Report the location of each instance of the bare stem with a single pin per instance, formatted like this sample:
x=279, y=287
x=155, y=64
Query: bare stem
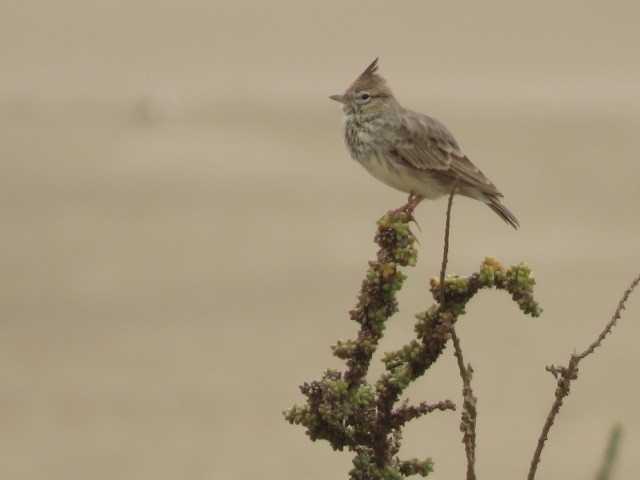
x=613, y=321
x=469, y=412
x=566, y=374
x=445, y=250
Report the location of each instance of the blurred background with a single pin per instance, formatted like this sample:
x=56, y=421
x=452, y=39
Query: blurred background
x=183, y=231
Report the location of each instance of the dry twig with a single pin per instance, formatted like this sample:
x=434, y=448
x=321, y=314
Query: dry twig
x=469, y=412
x=565, y=375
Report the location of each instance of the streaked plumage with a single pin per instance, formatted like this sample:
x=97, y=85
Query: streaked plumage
x=407, y=150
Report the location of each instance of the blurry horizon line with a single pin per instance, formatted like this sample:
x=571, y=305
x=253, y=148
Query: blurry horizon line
x=160, y=100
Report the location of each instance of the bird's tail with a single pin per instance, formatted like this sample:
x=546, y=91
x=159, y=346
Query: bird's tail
x=496, y=205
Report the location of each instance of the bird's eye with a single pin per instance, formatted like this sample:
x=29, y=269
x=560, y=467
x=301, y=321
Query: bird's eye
x=365, y=96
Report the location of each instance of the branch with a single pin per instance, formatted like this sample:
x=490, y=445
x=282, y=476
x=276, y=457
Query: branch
x=445, y=249
x=565, y=375
x=346, y=410
x=469, y=411
x=406, y=412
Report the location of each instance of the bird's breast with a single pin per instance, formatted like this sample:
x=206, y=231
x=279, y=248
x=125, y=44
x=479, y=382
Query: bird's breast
x=361, y=137
x=369, y=145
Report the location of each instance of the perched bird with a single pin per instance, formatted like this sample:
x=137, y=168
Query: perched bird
x=408, y=150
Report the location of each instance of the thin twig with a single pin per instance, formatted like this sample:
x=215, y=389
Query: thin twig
x=613, y=321
x=566, y=374
x=445, y=250
x=469, y=412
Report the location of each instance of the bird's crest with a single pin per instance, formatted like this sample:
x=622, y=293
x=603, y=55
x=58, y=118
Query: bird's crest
x=370, y=70
x=370, y=79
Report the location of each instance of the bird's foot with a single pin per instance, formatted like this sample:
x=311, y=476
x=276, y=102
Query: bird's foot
x=412, y=202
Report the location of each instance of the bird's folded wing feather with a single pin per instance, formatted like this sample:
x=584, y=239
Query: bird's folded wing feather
x=425, y=144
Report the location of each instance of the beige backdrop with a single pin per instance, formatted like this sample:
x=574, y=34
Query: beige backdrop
x=183, y=231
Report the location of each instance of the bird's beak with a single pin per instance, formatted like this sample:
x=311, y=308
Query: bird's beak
x=338, y=98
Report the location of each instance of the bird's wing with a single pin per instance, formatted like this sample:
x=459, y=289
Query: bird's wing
x=425, y=144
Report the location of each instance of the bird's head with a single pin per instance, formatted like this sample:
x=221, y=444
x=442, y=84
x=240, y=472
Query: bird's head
x=368, y=95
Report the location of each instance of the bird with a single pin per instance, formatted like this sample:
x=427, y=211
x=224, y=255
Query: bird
x=407, y=150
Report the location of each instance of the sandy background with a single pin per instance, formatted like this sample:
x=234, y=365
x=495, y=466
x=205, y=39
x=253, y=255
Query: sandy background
x=183, y=231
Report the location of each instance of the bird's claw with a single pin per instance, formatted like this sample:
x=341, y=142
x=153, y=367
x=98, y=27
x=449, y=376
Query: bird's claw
x=412, y=202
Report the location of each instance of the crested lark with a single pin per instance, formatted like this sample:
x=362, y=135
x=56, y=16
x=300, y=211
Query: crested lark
x=408, y=150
